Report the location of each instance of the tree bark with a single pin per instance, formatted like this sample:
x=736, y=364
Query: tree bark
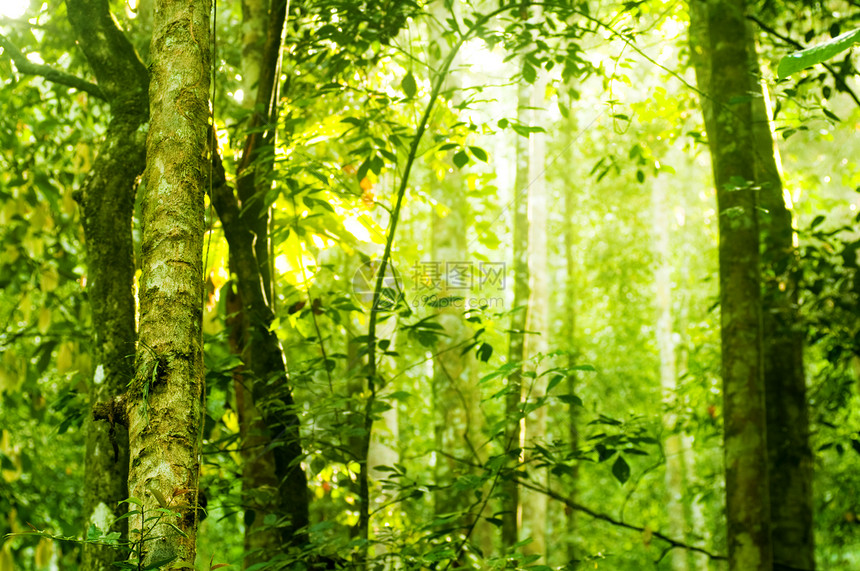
x=260, y=496
x=534, y=505
x=265, y=366
x=789, y=453
x=516, y=341
x=107, y=203
x=672, y=442
x=164, y=399
x=731, y=141
x=253, y=173
x=570, y=312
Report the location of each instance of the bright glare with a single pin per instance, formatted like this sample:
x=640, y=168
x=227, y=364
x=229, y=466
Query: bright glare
x=13, y=8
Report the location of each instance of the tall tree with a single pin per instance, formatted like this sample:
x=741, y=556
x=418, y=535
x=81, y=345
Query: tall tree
x=569, y=333
x=728, y=121
x=516, y=340
x=264, y=386
x=789, y=452
x=107, y=202
x=534, y=505
x=262, y=26
x=164, y=400
x=672, y=442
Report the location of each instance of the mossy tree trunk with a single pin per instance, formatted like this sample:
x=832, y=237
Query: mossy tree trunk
x=789, y=453
x=164, y=400
x=729, y=126
x=107, y=203
x=265, y=366
x=262, y=24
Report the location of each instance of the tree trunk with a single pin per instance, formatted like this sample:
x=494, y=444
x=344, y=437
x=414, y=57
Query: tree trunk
x=164, y=399
x=534, y=504
x=570, y=293
x=516, y=340
x=107, y=203
x=259, y=477
x=253, y=173
x=672, y=443
x=789, y=453
x=732, y=149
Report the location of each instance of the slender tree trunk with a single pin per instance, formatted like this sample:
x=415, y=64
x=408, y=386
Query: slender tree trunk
x=672, y=443
x=534, y=505
x=697, y=527
x=253, y=173
x=456, y=398
x=107, y=203
x=265, y=360
x=164, y=399
x=570, y=293
x=516, y=341
x=259, y=478
x=729, y=126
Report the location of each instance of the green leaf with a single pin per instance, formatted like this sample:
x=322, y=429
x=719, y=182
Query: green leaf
x=460, y=159
x=831, y=115
x=621, y=469
x=570, y=399
x=479, y=153
x=157, y=564
x=409, y=86
x=485, y=351
x=797, y=61
x=589, y=368
x=529, y=73
x=604, y=453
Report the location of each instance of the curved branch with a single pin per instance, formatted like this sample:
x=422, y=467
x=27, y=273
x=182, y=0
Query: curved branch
x=673, y=543
x=27, y=67
x=118, y=69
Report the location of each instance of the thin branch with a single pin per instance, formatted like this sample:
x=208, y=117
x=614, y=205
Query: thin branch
x=27, y=67
x=673, y=543
x=840, y=83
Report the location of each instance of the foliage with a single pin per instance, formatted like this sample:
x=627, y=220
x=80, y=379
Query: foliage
x=357, y=78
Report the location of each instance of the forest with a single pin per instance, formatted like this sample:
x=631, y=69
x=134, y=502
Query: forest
x=429, y=285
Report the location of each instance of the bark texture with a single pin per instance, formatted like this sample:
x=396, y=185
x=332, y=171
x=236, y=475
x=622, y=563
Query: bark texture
x=260, y=493
x=265, y=366
x=164, y=400
x=570, y=315
x=253, y=173
x=534, y=505
x=672, y=442
x=731, y=142
x=107, y=202
x=516, y=341
x=789, y=453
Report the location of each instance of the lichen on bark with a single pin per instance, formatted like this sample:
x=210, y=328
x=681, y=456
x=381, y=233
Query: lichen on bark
x=164, y=400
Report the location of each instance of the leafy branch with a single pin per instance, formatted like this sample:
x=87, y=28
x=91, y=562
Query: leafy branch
x=27, y=67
